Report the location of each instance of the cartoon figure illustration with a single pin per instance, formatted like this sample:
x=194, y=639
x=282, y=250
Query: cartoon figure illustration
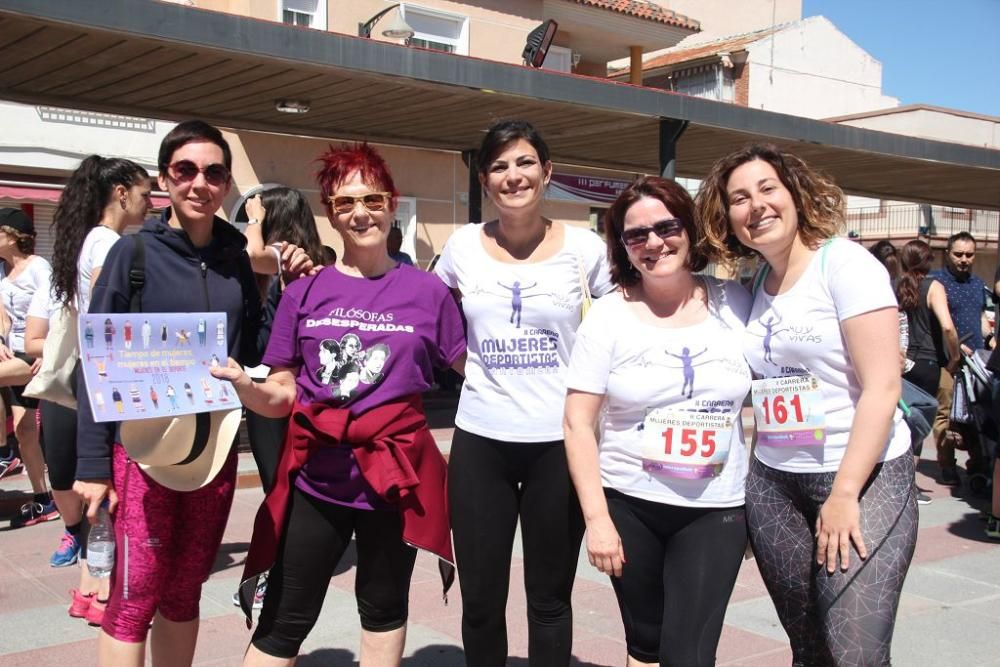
x=220, y=333
x=102, y=369
x=207, y=390
x=133, y=391
x=516, y=295
x=172, y=397
x=146, y=331
x=109, y=333
x=215, y=361
x=202, y=332
x=687, y=359
x=154, y=397
x=88, y=335
x=99, y=401
x=116, y=397
x=183, y=337
x=223, y=392
x=375, y=360
x=163, y=334
x=769, y=333
x=189, y=391
x=127, y=334
x=329, y=353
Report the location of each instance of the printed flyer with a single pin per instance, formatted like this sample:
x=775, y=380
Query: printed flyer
x=142, y=365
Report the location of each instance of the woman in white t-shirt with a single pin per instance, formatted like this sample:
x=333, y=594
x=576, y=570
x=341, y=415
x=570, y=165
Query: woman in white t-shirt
x=26, y=274
x=102, y=197
x=655, y=368
x=521, y=280
x=832, y=479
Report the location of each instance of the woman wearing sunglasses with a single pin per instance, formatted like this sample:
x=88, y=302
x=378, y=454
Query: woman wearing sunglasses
x=830, y=497
x=358, y=458
x=662, y=492
x=166, y=540
x=522, y=280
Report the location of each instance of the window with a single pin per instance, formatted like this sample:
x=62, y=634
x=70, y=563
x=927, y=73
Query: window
x=559, y=59
x=433, y=29
x=714, y=83
x=305, y=13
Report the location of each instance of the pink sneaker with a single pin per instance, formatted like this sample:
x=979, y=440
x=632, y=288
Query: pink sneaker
x=95, y=613
x=80, y=603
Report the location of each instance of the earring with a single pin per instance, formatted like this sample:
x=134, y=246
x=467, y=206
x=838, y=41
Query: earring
x=122, y=200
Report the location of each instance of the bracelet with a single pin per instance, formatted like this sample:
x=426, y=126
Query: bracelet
x=253, y=221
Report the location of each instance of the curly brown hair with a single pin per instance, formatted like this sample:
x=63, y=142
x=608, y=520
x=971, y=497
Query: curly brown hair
x=678, y=202
x=818, y=201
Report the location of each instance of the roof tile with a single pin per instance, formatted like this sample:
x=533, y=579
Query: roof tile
x=644, y=9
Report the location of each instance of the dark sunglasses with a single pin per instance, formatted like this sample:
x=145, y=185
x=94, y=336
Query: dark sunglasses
x=373, y=201
x=185, y=171
x=637, y=236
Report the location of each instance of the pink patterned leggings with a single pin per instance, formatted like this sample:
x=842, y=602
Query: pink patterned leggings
x=165, y=544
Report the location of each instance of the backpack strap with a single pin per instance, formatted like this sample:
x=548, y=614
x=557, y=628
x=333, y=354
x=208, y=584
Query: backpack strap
x=137, y=274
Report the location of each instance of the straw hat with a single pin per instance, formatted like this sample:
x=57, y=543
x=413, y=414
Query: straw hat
x=182, y=453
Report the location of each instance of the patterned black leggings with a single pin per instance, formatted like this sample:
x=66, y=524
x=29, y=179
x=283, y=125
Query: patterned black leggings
x=845, y=618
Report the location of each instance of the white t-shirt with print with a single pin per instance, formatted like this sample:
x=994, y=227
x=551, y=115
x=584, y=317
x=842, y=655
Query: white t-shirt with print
x=799, y=333
x=17, y=294
x=522, y=321
x=92, y=255
x=641, y=367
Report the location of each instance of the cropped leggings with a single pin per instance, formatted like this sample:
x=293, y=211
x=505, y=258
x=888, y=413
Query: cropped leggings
x=680, y=567
x=845, y=618
x=316, y=536
x=491, y=484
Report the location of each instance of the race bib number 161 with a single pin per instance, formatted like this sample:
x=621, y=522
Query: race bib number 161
x=789, y=411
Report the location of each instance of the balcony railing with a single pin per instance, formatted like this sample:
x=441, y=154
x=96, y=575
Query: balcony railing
x=913, y=220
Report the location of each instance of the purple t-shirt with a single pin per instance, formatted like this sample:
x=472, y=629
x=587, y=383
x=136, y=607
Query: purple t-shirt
x=359, y=343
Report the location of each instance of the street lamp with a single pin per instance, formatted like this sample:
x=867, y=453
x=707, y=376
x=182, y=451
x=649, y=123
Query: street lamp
x=396, y=29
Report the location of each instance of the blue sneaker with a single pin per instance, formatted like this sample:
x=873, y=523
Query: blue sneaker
x=68, y=551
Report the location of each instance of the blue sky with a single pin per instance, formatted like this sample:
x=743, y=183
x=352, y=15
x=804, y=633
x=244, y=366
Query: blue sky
x=941, y=53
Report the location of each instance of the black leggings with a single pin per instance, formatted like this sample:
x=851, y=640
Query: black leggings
x=58, y=440
x=316, y=536
x=844, y=618
x=267, y=437
x=926, y=375
x=490, y=485
x=681, y=565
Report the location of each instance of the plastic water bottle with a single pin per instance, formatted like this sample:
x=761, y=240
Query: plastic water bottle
x=101, y=545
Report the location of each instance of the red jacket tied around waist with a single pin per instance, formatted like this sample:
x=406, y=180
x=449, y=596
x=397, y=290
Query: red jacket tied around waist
x=399, y=459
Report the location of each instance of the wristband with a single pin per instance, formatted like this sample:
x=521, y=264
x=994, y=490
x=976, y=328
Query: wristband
x=253, y=221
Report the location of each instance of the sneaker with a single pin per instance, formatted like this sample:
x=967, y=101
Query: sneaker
x=993, y=527
x=95, y=612
x=10, y=467
x=68, y=551
x=923, y=498
x=949, y=476
x=79, y=603
x=258, y=594
x=32, y=513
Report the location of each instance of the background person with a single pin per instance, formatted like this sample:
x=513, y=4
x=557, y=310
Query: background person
x=664, y=510
x=339, y=454
x=831, y=481
x=102, y=197
x=172, y=536
x=967, y=305
x=26, y=274
x=521, y=280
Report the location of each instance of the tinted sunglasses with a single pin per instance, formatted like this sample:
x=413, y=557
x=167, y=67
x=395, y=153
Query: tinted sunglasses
x=373, y=201
x=637, y=236
x=185, y=171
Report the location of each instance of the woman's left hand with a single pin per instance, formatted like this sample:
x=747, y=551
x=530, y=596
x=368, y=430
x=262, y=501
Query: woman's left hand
x=233, y=373
x=255, y=208
x=839, y=524
x=36, y=366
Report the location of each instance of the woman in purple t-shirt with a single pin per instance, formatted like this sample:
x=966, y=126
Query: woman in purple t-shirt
x=350, y=351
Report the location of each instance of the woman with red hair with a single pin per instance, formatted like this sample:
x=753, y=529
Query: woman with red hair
x=358, y=458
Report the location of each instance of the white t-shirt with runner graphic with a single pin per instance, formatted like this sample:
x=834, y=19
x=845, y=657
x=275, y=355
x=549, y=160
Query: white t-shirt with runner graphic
x=798, y=333
x=17, y=294
x=642, y=368
x=522, y=321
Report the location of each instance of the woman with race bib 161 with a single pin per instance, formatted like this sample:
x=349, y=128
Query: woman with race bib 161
x=830, y=502
x=668, y=525
x=521, y=279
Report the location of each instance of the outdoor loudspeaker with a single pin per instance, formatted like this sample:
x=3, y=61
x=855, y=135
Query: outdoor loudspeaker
x=536, y=47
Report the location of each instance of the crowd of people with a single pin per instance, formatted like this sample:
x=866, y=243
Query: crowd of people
x=602, y=403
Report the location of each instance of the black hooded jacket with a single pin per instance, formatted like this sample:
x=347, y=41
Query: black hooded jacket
x=179, y=278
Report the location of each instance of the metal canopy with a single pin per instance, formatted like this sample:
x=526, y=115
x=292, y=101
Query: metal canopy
x=161, y=60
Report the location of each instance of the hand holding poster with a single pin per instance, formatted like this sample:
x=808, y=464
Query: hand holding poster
x=138, y=377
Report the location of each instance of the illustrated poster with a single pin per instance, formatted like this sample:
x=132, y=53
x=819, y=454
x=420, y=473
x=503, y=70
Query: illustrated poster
x=143, y=365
